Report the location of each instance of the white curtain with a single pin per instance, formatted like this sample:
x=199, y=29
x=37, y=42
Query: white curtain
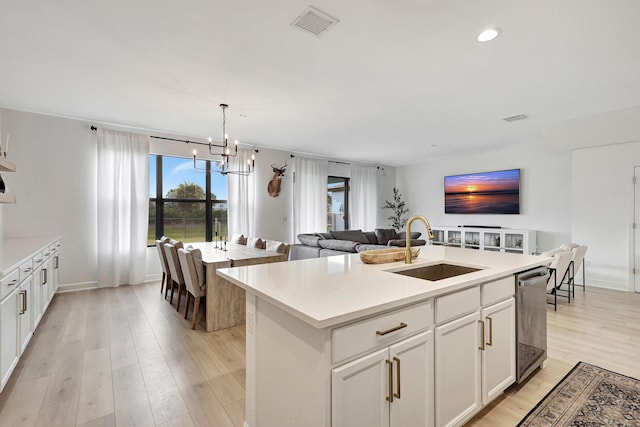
x=123, y=207
x=309, y=196
x=363, y=201
x=241, y=202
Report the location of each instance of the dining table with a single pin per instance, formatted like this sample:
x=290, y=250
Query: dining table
x=225, y=302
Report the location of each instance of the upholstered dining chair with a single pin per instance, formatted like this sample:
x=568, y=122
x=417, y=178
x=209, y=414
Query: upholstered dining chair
x=171, y=251
x=194, y=279
x=559, y=274
x=238, y=239
x=166, y=274
x=255, y=242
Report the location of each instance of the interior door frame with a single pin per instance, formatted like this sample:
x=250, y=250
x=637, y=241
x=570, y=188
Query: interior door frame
x=636, y=230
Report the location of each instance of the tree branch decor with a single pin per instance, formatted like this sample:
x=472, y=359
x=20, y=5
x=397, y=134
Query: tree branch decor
x=398, y=208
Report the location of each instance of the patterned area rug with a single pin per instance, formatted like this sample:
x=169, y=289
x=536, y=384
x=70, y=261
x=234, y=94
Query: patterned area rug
x=589, y=396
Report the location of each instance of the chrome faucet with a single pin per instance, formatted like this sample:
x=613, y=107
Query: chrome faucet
x=407, y=255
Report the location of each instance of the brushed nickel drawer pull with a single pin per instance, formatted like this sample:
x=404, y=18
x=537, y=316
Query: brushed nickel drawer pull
x=388, y=331
x=390, y=365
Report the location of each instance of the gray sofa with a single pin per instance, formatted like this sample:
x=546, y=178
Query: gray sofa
x=314, y=245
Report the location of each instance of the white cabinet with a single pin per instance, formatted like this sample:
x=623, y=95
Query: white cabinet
x=26, y=289
x=394, y=384
x=474, y=353
x=8, y=336
x=457, y=367
x=488, y=239
x=24, y=314
x=499, y=350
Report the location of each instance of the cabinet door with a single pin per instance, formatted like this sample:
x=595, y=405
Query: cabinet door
x=359, y=390
x=8, y=336
x=36, y=297
x=413, y=382
x=44, y=286
x=499, y=356
x=457, y=369
x=24, y=314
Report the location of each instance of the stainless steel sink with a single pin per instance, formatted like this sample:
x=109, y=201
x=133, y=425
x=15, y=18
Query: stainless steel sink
x=437, y=271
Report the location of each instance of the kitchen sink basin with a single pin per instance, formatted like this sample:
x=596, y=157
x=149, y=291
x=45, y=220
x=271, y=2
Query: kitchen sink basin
x=437, y=271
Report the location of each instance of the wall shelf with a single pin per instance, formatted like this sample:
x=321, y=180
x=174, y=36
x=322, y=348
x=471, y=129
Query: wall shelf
x=6, y=165
x=7, y=198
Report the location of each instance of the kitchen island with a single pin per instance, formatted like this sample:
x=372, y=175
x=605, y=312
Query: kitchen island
x=335, y=342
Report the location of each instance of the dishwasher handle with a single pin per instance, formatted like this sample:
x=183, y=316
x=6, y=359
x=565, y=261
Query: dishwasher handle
x=534, y=278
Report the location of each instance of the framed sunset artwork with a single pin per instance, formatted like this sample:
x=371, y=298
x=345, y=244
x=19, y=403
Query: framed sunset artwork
x=496, y=192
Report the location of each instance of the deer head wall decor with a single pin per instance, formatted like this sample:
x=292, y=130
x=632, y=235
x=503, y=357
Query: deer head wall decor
x=273, y=188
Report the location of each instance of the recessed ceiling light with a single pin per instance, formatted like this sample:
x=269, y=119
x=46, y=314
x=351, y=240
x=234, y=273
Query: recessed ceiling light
x=488, y=34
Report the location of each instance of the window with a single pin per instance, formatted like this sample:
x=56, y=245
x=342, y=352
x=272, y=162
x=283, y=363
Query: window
x=337, y=203
x=184, y=203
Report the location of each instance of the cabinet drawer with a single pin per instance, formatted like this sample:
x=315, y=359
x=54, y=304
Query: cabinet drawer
x=25, y=269
x=38, y=259
x=380, y=331
x=498, y=290
x=456, y=304
x=9, y=282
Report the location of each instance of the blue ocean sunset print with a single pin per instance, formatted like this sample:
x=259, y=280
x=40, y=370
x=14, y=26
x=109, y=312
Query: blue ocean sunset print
x=495, y=192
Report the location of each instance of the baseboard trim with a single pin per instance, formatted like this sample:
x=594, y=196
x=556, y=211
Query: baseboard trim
x=607, y=285
x=72, y=287
x=152, y=278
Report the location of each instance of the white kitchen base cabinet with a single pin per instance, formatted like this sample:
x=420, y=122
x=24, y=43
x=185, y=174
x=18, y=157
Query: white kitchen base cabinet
x=28, y=280
x=457, y=364
x=8, y=336
x=395, y=385
x=499, y=355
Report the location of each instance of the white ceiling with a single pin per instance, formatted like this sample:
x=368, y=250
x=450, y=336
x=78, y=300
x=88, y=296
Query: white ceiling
x=387, y=83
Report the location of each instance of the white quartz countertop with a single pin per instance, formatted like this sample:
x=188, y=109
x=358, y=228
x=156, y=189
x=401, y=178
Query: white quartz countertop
x=14, y=251
x=325, y=292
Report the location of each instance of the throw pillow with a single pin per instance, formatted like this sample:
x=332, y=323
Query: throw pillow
x=414, y=235
x=309, y=239
x=371, y=236
x=324, y=235
x=351, y=235
x=385, y=234
x=338, y=245
x=403, y=242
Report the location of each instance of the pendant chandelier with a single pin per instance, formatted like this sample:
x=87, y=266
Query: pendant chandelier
x=227, y=152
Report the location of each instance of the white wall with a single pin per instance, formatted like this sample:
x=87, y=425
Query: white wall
x=545, y=192
x=602, y=218
x=55, y=186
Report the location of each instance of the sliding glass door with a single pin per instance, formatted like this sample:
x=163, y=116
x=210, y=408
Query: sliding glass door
x=337, y=203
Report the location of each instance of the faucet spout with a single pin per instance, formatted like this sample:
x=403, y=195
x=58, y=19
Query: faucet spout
x=407, y=256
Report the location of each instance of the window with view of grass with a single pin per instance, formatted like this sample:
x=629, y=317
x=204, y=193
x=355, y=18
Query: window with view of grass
x=185, y=203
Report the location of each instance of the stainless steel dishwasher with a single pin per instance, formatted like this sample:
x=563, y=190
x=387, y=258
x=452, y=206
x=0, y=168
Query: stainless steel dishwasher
x=531, y=321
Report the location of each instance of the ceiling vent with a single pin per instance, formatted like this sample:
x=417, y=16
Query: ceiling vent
x=314, y=21
x=516, y=118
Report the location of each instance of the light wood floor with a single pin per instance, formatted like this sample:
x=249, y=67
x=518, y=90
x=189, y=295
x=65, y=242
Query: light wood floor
x=125, y=357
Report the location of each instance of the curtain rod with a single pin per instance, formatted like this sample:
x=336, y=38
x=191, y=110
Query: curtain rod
x=186, y=141
x=330, y=161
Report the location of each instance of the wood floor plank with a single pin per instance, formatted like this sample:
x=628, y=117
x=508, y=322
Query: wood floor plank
x=132, y=406
x=96, y=388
